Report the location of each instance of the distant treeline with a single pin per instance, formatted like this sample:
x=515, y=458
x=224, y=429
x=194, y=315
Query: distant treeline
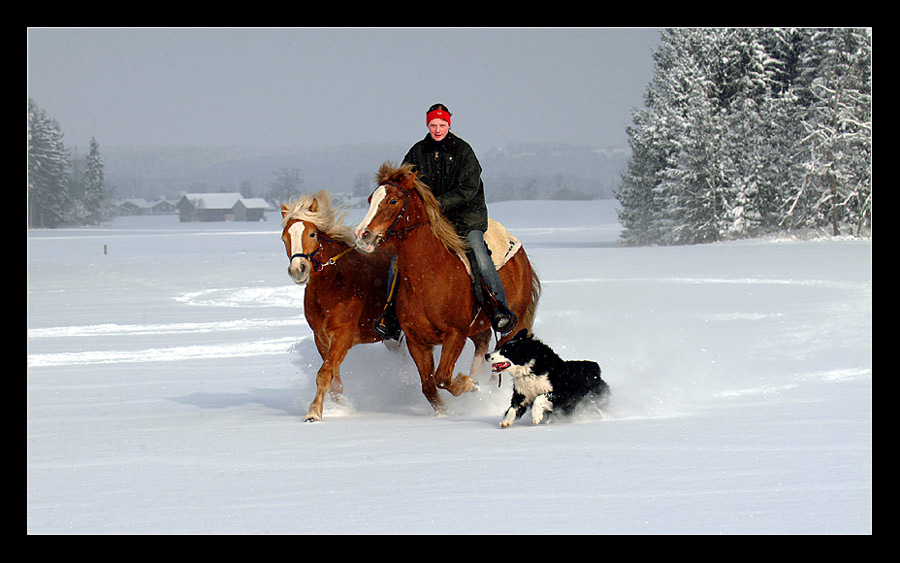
x=517, y=171
x=752, y=131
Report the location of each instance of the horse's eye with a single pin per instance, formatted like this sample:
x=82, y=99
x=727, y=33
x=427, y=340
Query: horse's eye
x=312, y=235
x=393, y=202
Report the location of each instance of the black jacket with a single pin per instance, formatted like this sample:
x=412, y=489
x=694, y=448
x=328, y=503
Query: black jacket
x=453, y=173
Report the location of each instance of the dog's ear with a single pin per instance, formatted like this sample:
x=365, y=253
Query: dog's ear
x=522, y=333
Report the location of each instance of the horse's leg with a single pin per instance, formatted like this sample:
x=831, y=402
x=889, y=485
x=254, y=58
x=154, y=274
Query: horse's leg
x=519, y=281
x=315, y=407
x=481, y=341
x=451, y=347
x=325, y=378
x=337, y=385
x=423, y=356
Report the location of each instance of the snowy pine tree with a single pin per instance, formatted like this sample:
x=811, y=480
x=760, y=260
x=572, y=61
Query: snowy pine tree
x=642, y=210
x=655, y=139
x=94, y=194
x=48, y=176
x=62, y=189
x=837, y=148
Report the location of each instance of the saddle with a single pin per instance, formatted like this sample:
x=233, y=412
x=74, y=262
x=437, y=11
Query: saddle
x=502, y=246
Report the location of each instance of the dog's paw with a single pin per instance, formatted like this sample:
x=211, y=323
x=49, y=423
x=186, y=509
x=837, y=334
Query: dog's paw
x=508, y=418
x=541, y=405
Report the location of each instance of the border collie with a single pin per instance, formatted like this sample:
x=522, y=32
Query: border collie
x=542, y=380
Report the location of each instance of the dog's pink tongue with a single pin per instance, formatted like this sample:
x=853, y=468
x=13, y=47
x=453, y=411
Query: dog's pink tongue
x=499, y=366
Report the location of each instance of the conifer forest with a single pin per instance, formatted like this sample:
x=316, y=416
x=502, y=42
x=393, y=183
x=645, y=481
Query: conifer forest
x=747, y=132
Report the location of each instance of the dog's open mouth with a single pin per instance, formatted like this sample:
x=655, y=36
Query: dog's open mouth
x=500, y=366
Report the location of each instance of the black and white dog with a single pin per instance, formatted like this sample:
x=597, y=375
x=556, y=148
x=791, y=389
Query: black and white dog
x=542, y=380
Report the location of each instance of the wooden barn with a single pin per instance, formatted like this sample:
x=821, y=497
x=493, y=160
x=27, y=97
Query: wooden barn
x=251, y=209
x=221, y=207
x=133, y=206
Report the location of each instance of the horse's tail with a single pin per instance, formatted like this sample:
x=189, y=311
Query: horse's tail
x=531, y=310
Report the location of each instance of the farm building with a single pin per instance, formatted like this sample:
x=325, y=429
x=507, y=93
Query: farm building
x=133, y=206
x=251, y=209
x=163, y=207
x=221, y=207
x=138, y=206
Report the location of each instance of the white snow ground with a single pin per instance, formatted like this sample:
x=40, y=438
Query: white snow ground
x=167, y=381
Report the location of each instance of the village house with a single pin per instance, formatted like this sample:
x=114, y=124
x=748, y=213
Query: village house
x=221, y=207
x=139, y=206
x=133, y=206
x=164, y=207
x=251, y=209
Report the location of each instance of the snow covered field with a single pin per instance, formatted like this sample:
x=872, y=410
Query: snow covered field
x=167, y=381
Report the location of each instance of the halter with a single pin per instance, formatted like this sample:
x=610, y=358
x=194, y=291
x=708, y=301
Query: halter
x=318, y=265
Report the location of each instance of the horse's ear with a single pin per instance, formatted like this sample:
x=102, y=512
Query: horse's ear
x=315, y=205
x=284, y=210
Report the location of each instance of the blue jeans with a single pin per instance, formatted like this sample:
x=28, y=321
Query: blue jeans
x=486, y=265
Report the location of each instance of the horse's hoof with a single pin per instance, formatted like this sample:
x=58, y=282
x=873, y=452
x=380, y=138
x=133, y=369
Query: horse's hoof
x=462, y=383
x=312, y=417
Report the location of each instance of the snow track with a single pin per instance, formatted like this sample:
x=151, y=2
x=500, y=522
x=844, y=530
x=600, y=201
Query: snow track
x=161, y=329
x=277, y=346
x=91, y=335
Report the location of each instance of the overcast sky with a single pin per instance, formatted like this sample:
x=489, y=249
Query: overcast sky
x=301, y=88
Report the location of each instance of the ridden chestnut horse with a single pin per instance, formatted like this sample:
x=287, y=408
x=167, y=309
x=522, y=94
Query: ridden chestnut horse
x=345, y=289
x=434, y=301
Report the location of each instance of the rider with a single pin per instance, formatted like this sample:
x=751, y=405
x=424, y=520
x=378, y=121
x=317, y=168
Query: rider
x=447, y=164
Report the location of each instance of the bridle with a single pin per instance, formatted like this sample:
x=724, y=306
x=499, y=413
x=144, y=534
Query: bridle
x=391, y=231
x=318, y=265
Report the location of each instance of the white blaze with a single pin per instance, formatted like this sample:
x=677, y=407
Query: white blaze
x=296, y=232
x=377, y=196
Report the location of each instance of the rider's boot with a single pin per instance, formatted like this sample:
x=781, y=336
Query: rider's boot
x=387, y=326
x=502, y=318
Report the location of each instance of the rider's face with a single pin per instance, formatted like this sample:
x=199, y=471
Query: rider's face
x=438, y=129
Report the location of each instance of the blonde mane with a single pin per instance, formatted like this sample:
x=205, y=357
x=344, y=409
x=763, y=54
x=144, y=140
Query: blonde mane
x=405, y=177
x=324, y=218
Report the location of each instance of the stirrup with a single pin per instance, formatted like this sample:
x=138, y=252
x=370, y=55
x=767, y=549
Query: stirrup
x=504, y=323
x=503, y=320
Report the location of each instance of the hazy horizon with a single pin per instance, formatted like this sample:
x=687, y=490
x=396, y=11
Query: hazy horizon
x=322, y=87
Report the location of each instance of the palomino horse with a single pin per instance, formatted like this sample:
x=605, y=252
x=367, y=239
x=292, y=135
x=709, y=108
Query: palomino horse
x=344, y=289
x=435, y=302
